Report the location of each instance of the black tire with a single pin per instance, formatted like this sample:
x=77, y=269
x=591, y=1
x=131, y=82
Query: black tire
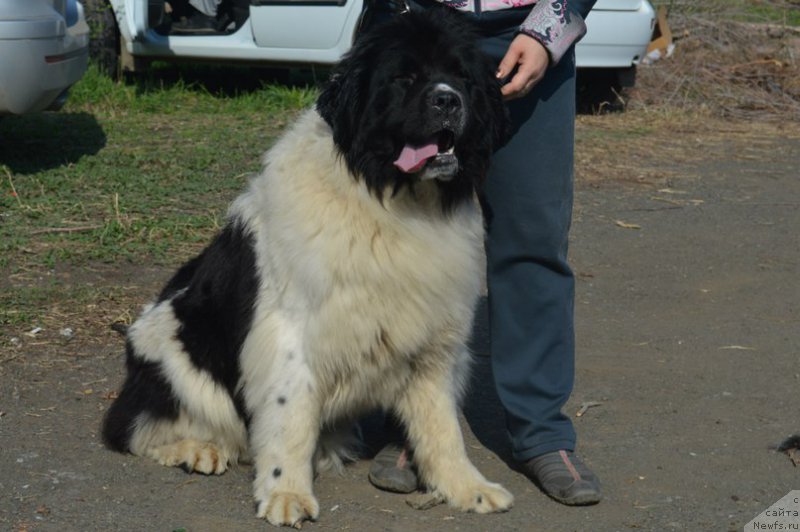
x=603, y=90
x=104, y=38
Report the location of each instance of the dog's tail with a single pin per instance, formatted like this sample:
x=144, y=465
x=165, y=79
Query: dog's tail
x=337, y=446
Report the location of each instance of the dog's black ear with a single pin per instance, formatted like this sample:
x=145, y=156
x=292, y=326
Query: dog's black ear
x=491, y=111
x=328, y=96
x=342, y=98
x=501, y=125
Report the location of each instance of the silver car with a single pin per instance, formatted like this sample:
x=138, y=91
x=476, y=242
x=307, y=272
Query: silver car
x=44, y=50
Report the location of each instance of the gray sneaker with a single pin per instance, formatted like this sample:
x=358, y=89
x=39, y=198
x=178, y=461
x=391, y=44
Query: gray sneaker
x=392, y=469
x=564, y=477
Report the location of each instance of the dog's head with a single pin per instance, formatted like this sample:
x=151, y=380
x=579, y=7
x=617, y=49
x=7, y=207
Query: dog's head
x=416, y=100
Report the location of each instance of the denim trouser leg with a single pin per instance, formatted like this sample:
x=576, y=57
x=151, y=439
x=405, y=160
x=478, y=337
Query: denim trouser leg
x=528, y=206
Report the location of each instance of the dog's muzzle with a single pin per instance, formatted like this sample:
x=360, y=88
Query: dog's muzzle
x=435, y=158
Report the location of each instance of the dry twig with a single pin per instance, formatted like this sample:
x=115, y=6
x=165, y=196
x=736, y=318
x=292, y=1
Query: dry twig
x=65, y=229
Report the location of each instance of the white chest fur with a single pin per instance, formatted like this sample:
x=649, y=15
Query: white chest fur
x=366, y=285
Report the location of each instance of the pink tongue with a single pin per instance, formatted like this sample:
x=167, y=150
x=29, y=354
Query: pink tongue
x=413, y=159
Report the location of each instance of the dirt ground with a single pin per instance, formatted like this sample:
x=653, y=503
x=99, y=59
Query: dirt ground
x=688, y=309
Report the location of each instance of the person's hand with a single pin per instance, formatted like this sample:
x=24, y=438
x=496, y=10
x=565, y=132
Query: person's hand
x=530, y=58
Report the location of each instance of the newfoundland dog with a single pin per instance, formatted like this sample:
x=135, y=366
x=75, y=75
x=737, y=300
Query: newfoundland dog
x=344, y=281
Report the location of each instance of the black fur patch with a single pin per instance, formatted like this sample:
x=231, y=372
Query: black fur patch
x=216, y=310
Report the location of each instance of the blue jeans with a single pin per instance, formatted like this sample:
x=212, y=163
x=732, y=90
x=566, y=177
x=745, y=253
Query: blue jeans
x=528, y=209
x=527, y=202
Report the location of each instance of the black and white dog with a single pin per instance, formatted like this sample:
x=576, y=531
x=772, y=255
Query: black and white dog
x=344, y=281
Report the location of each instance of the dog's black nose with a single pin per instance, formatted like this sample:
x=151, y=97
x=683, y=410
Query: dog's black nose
x=445, y=100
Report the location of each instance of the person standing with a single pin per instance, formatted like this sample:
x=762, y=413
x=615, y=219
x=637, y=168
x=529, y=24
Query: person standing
x=527, y=202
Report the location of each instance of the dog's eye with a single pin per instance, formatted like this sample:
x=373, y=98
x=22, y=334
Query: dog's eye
x=463, y=72
x=405, y=80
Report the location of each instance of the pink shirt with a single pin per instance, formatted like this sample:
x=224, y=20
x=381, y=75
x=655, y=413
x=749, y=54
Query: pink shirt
x=551, y=22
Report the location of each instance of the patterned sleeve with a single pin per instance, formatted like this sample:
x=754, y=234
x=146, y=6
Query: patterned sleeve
x=557, y=24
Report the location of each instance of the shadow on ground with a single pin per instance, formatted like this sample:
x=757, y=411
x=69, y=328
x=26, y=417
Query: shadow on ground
x=57, y=138
x=222, y=81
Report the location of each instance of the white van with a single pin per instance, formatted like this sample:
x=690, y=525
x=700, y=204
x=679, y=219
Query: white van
x=318, y=32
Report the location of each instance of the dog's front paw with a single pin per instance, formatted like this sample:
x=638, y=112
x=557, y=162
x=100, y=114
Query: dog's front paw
x=283, y=508
x=481, y=498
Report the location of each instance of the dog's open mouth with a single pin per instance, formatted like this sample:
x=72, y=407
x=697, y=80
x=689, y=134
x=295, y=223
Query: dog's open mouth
x=438, y=151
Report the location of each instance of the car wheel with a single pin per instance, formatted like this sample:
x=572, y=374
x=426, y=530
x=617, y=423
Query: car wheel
x=603, y=90
x=104, y=38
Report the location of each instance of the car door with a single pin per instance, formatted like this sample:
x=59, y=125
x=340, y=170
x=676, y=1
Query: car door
x=132, y=18
x=299, y=30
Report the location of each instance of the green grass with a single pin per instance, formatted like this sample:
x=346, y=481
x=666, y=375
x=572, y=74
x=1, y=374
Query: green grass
x=124, y=170
x=137, y=173
x=759, y=13
x=756, y=11
x=775, y=12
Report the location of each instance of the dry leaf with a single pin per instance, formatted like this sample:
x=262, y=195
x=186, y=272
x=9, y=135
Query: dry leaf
x=424, y=501
x=738, y=347
x=586, y=406
x=625, y=225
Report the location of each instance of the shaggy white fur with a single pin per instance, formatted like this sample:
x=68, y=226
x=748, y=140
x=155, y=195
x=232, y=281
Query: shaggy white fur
x=362, y=304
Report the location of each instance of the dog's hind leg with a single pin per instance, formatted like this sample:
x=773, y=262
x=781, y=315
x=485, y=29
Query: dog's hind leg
x=170, y=410
x=337, y=445
x=145, y=396
x=428, y=409
x=188, y=447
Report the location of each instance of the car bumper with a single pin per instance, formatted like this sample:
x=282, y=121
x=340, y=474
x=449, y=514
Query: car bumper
x=616, y=38
x=38, y=65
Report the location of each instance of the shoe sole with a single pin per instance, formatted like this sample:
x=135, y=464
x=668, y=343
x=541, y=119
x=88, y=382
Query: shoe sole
x=581, y=499
x=391, y=484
